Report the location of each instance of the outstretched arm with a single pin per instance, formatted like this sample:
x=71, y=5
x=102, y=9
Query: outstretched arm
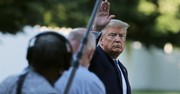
x=102, y=17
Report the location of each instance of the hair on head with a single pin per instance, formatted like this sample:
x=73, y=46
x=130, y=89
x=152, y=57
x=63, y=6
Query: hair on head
x=49, y=50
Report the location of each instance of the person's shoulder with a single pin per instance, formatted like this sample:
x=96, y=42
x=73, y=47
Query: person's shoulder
x=8, y=83
x=83, y=74
x=87, y=76
x=94, y=78
x=90, y=79
x=95, y=84
x=10, y=79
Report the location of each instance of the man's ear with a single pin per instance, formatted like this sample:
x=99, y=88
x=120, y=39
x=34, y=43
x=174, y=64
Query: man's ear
x=100, y=39
x=100, y=42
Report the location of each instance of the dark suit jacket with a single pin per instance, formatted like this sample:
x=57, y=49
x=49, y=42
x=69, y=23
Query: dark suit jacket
x=103, y=66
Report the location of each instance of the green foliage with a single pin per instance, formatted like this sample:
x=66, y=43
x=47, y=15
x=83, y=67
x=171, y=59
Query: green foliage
x=152, y=22
x=17, y=13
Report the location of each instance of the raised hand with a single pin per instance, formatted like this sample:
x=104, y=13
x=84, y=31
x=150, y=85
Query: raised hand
x=102, y=17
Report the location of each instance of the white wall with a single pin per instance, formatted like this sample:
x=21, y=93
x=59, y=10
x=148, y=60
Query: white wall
x=13, y=52
x=152, y=69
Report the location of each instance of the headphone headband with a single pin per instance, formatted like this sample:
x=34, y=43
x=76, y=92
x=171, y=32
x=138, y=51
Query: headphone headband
x=33, y=40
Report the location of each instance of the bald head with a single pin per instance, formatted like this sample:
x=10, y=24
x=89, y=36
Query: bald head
x=75, y=37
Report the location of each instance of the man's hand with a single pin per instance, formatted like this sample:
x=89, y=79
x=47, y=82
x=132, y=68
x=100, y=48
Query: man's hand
x=102, y=17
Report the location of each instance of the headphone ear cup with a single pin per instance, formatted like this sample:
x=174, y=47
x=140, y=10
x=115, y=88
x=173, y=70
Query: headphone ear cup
x=29, y=53
x=68, y=58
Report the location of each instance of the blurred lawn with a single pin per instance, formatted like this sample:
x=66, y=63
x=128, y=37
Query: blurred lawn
x=153, y=92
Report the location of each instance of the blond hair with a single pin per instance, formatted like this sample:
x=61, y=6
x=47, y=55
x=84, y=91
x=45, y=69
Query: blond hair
x=117, y=23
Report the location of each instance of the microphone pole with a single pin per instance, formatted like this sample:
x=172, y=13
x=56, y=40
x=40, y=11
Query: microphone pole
x=83, y=43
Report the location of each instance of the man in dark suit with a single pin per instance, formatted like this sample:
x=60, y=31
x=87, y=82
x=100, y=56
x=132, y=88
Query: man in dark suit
x=111, y=43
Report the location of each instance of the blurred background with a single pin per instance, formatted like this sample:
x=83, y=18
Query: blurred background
x=152, y=50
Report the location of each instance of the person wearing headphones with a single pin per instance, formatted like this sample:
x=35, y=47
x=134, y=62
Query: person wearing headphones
x=48, y=55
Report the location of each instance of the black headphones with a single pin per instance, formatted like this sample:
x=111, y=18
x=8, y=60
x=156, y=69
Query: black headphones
x=33, y=40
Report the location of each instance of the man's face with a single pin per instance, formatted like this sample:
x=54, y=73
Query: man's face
x=113, y=41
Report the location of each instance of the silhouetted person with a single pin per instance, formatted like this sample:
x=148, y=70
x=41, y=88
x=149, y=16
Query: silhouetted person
x=48, y=55
x=84, y=82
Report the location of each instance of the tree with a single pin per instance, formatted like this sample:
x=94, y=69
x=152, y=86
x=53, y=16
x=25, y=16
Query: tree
x=17, y=13
x=152, y=22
